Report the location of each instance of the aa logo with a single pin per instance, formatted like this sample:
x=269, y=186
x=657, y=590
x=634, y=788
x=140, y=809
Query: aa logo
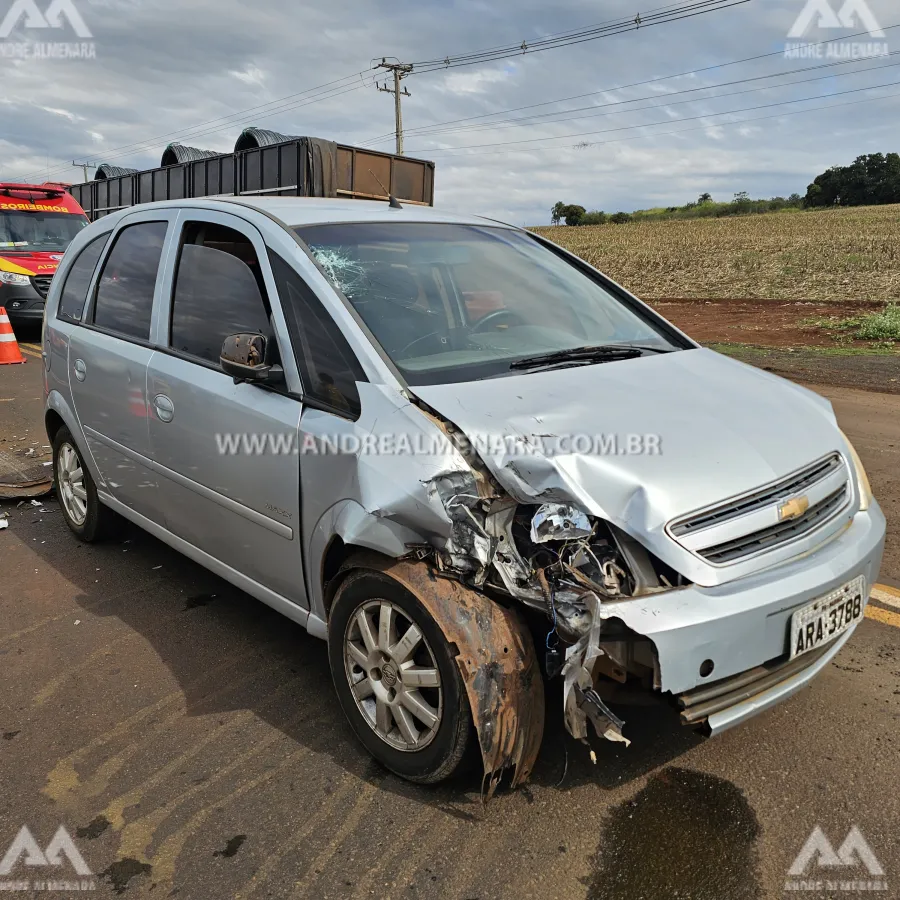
x=53, y=18
x=26, y=846
x=818, y=852
x=852, y=14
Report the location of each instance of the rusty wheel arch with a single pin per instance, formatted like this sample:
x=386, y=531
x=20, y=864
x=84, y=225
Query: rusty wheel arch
x=495, y=655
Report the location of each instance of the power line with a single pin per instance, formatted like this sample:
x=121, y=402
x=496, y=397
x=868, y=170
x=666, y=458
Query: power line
x=640, y=137
x=454, y=150
x=663, y=16
x=575, y=31
x=316, y=94
x=658, y=16
x=426, y=128
x=589, y=112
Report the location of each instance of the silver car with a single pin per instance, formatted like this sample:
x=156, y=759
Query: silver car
x=472, y=463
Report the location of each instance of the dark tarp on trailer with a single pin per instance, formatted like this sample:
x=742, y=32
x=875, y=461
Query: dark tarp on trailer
x=105, y=170
x=321, y=167
x=253, y=138
x=178, y=153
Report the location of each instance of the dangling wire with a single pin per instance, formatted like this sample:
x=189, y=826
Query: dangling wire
x=552, y=633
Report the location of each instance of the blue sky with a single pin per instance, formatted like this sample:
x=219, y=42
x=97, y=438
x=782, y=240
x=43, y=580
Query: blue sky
x=163, y=67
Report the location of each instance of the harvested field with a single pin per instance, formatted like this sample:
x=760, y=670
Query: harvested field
x=841, y=255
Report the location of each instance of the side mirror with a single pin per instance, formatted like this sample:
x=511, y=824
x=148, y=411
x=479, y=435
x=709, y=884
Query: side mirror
x=244, y=357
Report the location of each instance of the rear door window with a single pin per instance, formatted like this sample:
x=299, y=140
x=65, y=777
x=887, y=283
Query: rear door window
x=125, y=293
x=74, y=293
x=219, y=290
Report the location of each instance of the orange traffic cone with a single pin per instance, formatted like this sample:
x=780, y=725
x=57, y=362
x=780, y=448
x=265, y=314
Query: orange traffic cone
x=9, y=348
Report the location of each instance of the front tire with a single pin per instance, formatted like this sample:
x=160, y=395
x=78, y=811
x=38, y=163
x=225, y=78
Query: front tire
x=85, y=515
x=397, y=679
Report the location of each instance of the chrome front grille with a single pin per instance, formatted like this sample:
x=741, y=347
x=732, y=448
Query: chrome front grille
x=41, y=283
x=777, y=534
x=755, y=523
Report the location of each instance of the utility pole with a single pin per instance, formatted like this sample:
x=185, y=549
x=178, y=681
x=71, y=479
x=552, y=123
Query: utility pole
x=399, y=70
x=84, y=166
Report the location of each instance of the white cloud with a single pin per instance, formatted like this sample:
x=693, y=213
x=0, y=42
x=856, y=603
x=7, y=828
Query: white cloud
x=251, y=75
x=59, y=112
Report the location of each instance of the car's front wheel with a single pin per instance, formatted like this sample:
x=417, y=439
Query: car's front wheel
x=397, y=679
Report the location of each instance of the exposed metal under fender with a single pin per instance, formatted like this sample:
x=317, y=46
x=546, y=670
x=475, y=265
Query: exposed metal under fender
x=496, y=659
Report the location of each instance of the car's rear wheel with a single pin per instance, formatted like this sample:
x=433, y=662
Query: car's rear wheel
x=84, y=513
x=397, y=679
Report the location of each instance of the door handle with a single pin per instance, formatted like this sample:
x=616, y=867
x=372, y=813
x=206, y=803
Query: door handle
x=80, y=369
x=165, y=408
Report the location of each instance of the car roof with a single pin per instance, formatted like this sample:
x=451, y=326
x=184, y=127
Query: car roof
x=319, y=210
x=295, y=211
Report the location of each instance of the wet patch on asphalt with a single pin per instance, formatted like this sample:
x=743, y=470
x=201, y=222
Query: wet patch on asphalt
x=199, y=600
x=686, y=834
x=232, y=847
x=94, y=828
x=120, y=873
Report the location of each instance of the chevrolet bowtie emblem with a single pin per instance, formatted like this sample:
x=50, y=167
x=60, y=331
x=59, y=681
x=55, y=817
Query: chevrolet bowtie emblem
x=793, y=508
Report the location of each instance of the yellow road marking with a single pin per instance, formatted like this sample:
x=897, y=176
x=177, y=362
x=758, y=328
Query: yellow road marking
x=400, y=843
x=36, y=347
x=138, y=835
x=63, y=779
x=29, y=352
x=883, y=616
x=115, y=810
x=889, y=596
x=297, y=839
x=884, y=594
x=167, y=855
x=351, y=822
x=52, y=686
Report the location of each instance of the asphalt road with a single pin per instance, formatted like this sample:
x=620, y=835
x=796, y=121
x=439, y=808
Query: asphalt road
x=190, y=741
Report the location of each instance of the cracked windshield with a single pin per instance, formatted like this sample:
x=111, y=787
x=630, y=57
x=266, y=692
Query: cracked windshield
x=451, y=303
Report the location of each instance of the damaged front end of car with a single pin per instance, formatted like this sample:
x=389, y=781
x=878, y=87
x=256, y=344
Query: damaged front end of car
x=561, y=564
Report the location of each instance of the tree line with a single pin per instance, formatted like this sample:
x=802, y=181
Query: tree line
x=869, y=180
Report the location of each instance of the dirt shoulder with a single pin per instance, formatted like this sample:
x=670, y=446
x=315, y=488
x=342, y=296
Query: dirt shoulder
x=788, y=338
x=767, y=323
x=864, y=371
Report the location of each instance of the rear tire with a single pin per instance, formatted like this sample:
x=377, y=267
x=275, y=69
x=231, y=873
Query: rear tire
x=397, y=679
x=86, y=516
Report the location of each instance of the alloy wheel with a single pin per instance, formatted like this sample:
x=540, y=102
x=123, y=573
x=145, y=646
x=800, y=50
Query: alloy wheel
x=70, y=479
x=393, y=675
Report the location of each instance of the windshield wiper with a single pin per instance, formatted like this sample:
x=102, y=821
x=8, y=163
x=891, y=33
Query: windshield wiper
x=602, y=353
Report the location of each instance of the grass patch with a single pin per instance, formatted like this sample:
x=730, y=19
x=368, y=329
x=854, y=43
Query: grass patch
x=883, y=326
x=735, y=349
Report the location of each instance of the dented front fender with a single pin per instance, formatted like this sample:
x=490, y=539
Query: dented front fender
x=496, y=659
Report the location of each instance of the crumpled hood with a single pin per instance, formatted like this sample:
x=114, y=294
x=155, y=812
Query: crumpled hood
x=723, y=428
